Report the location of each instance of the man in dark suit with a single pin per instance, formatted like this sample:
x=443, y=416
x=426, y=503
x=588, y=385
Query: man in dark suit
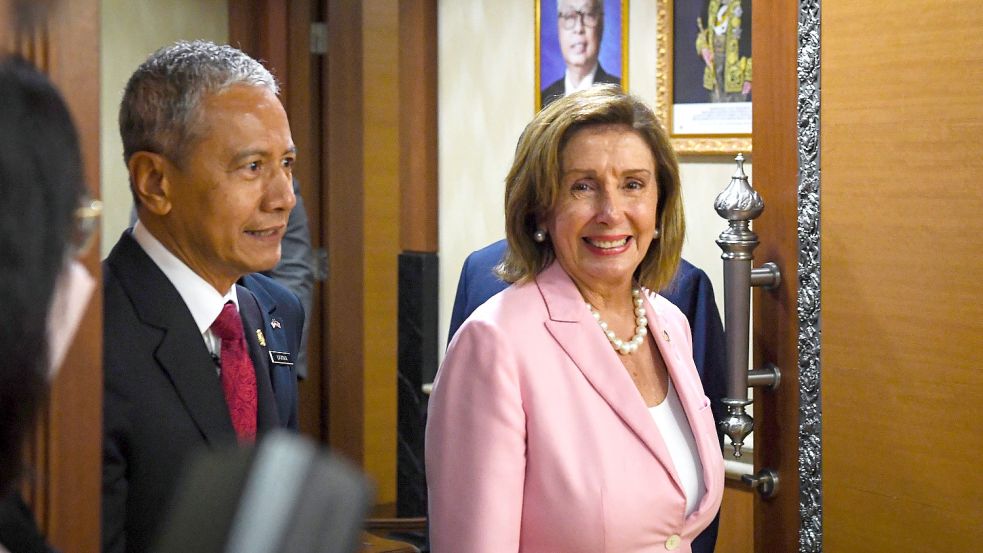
x=580, y=26
x=690, y=291
x=198, y=349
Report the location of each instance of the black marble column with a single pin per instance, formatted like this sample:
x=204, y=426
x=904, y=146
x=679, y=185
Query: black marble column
x=417, y=364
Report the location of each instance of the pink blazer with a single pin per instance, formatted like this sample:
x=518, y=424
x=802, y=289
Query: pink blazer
x=538, y=441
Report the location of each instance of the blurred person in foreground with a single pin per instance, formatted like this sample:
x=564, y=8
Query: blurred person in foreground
x=46, y=220
x=568, y=414
x=199, y=350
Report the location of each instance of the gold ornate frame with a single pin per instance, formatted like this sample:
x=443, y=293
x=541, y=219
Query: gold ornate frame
x=683, y=144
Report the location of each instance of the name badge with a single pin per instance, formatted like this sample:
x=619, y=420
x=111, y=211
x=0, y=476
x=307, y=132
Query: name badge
x=280, y=358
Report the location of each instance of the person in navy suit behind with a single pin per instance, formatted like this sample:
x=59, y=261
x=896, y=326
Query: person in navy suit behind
x=198, y=350
x=690, y=290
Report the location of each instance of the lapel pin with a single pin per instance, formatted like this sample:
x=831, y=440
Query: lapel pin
x=260, y=337
x=665, y=335
x=275, y=323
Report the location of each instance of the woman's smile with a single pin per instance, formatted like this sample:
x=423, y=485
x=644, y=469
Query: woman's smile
x=605, y=245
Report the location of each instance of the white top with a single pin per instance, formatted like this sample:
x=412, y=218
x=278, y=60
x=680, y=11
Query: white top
x=204, y=302
x=570, y=86
x=678, y=436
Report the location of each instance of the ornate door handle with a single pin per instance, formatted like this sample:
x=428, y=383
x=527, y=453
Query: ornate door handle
x=739, y=203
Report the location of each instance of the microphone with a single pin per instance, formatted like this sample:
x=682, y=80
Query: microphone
x=284, y=495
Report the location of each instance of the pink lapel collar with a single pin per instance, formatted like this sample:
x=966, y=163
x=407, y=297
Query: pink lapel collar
x=690, y=393
x=574, y=329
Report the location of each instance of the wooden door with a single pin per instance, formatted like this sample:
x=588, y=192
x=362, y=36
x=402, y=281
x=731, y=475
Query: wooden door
x=775, y=321
x=64, y=491
x=877, y=200
x=902, y=156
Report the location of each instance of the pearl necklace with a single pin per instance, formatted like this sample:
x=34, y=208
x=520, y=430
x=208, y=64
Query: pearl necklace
x=625, y=347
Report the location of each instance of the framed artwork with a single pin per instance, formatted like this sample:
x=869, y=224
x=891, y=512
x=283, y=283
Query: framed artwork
x=704, y=75
x=579, y=42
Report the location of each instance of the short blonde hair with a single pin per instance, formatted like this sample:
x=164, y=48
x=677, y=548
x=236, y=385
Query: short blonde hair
x=533, y=184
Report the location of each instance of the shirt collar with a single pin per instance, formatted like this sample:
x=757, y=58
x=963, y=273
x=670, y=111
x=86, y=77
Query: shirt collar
x=570, y=86
x=204, y=302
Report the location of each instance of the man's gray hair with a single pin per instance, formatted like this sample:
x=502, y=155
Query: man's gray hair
x=599, y=4
x=160, y=108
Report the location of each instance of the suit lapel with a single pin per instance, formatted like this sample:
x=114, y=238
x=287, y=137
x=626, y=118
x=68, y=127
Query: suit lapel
x=181, y=352
x=576, y=331
x=254, y=324
x=192, y=371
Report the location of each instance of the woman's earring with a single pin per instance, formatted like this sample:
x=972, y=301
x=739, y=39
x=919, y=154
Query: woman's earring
x=539, y=235
x=656, y=234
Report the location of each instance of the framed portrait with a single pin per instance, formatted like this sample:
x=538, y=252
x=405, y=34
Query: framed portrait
x=704, y=74
x=579, y=43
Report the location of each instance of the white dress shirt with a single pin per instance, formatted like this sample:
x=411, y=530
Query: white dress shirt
x=570, y=86
x=671, y=419
x=201, y=298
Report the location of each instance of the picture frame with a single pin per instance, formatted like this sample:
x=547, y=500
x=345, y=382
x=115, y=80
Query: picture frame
x=550, y=65
x=701, y=120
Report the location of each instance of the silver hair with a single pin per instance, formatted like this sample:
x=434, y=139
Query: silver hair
x=599, y=4
x=160, y=108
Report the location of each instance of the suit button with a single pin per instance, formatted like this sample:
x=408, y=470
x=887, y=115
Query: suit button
x=673, y=542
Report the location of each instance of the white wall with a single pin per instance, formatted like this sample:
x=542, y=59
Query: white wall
x=131, y=30
x=486, y=93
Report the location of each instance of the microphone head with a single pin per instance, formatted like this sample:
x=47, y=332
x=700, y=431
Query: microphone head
x=284, y=495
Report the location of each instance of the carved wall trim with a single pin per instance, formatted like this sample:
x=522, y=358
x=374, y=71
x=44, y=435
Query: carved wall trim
x=810, y=331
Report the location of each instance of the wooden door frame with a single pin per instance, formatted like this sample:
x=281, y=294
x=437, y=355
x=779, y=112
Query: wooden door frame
x=786, y=320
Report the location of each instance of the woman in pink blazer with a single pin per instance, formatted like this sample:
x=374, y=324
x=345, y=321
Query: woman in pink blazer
x=568, y=415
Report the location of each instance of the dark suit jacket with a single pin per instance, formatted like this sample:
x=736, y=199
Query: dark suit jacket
x=690, y=291
x=163, y=397
x=558, y=88
x=18, y=531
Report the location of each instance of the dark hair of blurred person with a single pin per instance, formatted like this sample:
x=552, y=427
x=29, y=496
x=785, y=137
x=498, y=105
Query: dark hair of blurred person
x=41, y=185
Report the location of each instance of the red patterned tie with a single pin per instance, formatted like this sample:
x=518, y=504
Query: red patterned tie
x=238, y=374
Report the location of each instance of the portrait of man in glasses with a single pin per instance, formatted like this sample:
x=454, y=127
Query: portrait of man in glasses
x=579, y=33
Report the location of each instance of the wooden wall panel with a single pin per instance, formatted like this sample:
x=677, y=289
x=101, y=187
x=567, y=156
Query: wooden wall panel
x=776, y=325
x=304, y=107
x=343, y=206
x=418, y=125
x=259, y=28
x=380, y=221
x=902, y=293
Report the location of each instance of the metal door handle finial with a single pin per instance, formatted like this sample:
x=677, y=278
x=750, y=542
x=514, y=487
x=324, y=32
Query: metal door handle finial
x=739, y=203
